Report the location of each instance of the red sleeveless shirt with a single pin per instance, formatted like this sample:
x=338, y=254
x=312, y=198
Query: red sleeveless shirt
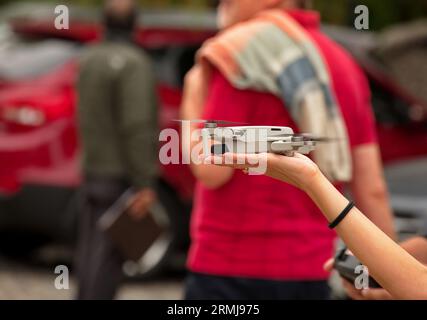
x=258, y=227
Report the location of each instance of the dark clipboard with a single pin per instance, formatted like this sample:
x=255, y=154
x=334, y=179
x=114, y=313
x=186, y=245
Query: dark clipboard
x=133, y=238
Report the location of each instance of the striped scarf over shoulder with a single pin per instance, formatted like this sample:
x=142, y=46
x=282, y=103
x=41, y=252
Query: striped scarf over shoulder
x=272, y=53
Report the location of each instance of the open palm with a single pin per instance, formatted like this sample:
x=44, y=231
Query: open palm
x=298, y=170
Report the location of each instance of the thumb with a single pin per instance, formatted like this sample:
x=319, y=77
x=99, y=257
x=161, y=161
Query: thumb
x=329, y=265
x=375, y=294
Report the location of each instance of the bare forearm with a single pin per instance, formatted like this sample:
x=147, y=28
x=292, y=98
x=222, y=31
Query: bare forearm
x=369, y=188
x=194, y=96
x=210, y=176
x=395, y=269
x=377, y=208
x=417, y=247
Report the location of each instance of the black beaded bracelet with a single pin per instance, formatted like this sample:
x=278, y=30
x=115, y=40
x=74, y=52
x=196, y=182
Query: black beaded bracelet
x=341, y=216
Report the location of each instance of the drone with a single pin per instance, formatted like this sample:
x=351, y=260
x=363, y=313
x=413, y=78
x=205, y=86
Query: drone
x=254, y=139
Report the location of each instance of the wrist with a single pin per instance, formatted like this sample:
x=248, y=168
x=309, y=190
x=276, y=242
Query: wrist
x=319, y=187
x=327, y=198
x=314, y=183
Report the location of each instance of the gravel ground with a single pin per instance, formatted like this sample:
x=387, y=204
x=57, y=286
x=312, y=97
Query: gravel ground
x=21, y=281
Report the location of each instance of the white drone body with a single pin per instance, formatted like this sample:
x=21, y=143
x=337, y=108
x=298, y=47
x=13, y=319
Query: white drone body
x=254, y=139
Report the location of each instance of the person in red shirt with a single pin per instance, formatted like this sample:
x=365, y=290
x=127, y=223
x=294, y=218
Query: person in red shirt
x=254, y=237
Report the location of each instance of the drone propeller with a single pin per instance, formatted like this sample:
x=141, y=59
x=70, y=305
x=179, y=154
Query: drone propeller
x=309, y=137
x=217, y=122
x=324, y=140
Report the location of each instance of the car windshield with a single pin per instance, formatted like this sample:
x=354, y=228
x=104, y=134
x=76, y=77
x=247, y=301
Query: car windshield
x=23, y=59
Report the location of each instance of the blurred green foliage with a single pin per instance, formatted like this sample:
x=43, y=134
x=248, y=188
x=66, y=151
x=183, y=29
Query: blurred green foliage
x=382, y=12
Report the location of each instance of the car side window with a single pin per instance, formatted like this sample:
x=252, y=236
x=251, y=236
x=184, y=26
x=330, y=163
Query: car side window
x=186, y=62
x=26, y=58
x=389, y=109
x=172, y=64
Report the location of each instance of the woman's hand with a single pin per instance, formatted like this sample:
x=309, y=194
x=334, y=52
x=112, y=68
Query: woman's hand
x=365, y=294
x=298, y=170
x=356, y=294
x=141, y=203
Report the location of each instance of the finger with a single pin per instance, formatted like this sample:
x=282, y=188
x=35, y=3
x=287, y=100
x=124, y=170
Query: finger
x=138, y=212
x=351, y=291
x=221, y=161
x=134, y=213
x=250, y=160
x=299, y=156
x=137, y=203
x=297, y=162
x=135, y=208
x=329, y=265
x=132, y=200
x=236, y=161
x=140, y=203
x=376, y=294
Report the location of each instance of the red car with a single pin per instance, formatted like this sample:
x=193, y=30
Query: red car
x=39, y=149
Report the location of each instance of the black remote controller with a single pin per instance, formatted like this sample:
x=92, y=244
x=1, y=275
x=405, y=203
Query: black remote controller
x=346, y=265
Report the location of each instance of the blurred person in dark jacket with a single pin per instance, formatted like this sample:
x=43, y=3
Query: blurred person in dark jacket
x=118, y=128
